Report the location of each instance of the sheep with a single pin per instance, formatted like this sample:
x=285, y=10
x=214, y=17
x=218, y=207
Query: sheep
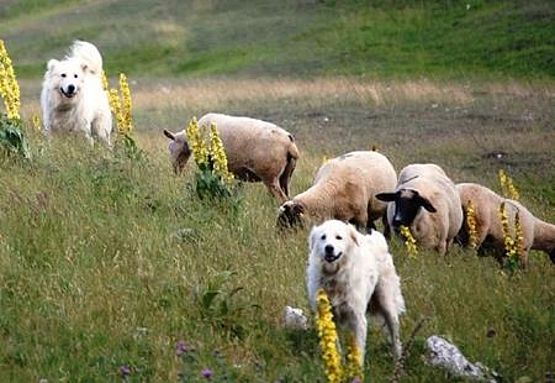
x=344, y=188
x=256, y=151
x=537, y=234
x=426, y=201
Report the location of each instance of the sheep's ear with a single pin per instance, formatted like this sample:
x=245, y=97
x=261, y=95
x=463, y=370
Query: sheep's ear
x=297, y=209
x=425, y=203
x=169, y=134
x=51, y=64
x=353, y=234
x=388, y=197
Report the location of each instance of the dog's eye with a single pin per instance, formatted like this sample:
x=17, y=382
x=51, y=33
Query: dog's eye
x=323, y=237
x=75, y=75
x=63, y=75
x=338, y=237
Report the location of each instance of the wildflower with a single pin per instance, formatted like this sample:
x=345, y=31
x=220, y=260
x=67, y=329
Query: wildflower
x=105, y=85
x=207, y=373
x=9, y=88
x=519, y=238
x=115, y=106
x=410, y=242
x=328, y=338
x=181, y=348
x=218, y=156
x=127, y=125
x=37, y=124
x=353, y=370
x=507, y=185
x=124, y=371
x=471, y=223
x=507, y=237
x=194, y=138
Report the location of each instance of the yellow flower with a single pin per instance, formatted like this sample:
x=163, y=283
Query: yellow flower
x=328, y=338
x=9, y=88
x=115, y=105
x=105, y=85
x=219, y=158
x=507, y=237
x=126, y=105
x=519, y=238
x=507, y=185
x=354, y=361
x=37, y=124
x=472, y=226
x=198, y=147
x=410, y=242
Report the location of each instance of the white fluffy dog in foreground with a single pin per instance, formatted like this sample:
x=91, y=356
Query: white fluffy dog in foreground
x=73, y=98
x=359, y=277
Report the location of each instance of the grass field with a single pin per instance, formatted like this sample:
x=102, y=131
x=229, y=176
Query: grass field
x=107, y=261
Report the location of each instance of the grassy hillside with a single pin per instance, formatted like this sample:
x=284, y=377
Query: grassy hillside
x=294, y=38
x=108, y=263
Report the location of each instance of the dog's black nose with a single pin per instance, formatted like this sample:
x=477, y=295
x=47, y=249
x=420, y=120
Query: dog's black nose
x=328, y=249
x=70, y=89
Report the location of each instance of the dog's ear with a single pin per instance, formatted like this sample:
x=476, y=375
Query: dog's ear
x=312, y=237
x=51, y=64
x=169, y=134
x=353, y=233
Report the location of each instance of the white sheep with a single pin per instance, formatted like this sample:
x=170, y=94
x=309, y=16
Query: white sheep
x=344, y=188
x=256, y=150
x=537, y=234
x=426, y=201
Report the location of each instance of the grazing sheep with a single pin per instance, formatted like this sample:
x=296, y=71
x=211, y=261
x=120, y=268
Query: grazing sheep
x=344, y=188
x=256, y=150
x=427, y=202
x=537, y=234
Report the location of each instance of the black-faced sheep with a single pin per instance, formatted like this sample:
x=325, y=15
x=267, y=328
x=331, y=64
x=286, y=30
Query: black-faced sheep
x=426, y=201
x=256, y=150
x=344, y=188
x=537, y=234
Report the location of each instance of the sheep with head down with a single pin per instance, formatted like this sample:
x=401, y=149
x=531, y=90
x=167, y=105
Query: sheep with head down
x=426, y=201
x=344, y=188
x=537, y=234
x=256, y=150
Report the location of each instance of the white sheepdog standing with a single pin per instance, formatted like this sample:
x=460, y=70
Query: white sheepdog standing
x=359, y=277
x=73, y=98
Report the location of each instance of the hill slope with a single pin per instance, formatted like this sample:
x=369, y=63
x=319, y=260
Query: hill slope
x=300, y=38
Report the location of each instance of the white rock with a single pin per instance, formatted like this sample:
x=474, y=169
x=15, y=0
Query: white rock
x=294, y=318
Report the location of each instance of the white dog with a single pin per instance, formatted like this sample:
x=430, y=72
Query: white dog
x=358, y=275
x=73, y=98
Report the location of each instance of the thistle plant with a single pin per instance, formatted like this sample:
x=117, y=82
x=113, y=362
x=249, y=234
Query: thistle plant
x=471, y=225
x=410, y=241
x=9, y=88
x=507, y=186
x=328, y=339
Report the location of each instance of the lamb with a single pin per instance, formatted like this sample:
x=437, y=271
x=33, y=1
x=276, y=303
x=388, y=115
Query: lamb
x=537, y=234
x=426, y=201
x=256, y=151
x=344, y=189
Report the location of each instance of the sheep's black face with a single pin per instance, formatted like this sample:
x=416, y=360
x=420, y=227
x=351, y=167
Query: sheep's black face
x=290, y=215
x=552, y=255
x=407, y=204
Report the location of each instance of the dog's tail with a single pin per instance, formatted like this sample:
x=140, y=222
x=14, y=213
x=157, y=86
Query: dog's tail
x=88, y=54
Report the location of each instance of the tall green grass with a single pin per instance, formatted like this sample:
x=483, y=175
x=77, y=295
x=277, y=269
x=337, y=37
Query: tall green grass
x=447, y=39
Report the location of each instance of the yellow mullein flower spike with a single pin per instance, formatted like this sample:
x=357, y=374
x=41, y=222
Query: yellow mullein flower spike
x=507, y=237
x=218, y=155
x=519, y=238
x=126, y=105
x=115, y=105
x=353, y=369
x=328, y=339
x=9, y=88
x=472, y=226
x=198, y=147
x=410, y=242
x=507, y=186
x=105, y=84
